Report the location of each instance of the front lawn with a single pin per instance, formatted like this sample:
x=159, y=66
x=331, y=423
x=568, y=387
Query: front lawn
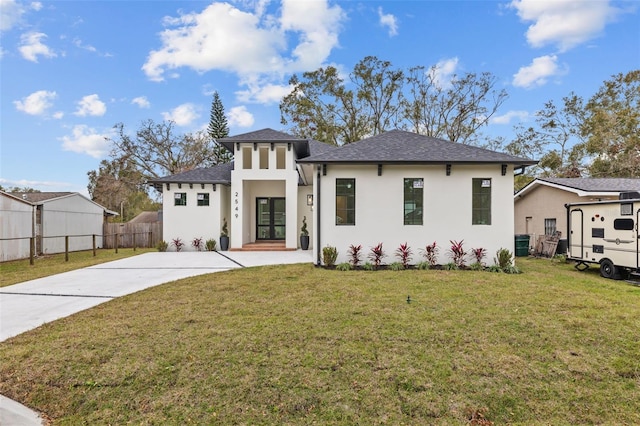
x=303, y=345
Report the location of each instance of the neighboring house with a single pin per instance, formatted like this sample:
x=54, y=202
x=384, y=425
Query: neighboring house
x=16, y=227
x=147, y=217
x=394, y=188
x=55, y=215
x=539, y=206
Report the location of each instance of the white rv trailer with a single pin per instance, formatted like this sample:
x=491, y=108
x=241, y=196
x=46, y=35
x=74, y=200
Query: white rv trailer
x=605, y=233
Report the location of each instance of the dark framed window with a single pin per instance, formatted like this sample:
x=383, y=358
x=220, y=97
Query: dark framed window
x=481, y=201
x=623, y=224
x=203, y=198
x=413, y=201
x=180, y=199
x=345, y=201
x=549, y=226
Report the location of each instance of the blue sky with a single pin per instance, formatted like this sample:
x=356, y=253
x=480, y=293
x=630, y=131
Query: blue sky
x=71, y=70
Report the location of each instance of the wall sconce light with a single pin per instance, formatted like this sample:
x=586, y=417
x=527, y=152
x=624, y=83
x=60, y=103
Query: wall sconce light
x=310, y=199
x=504, y=169
x=448, y=168
x=168, y=186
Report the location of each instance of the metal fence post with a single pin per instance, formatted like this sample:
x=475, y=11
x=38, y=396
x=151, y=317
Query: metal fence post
x=134, y=241
x=94, y=245
x=150, y=239
x=32, y=250
x=117, y=243
x=66, y=248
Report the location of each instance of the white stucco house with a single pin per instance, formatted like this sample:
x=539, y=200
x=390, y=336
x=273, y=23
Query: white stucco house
x=394, y=188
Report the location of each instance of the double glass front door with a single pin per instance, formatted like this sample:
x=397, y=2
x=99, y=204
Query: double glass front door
x=270, y=218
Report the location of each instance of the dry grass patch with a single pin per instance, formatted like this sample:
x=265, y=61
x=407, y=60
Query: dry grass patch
x=302, y=345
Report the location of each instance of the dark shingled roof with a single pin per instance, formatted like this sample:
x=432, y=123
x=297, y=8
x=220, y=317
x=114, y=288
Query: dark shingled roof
x=597, y=184
x=303, y=147
x=220, y=173
x=397, y=146
x=38, y=197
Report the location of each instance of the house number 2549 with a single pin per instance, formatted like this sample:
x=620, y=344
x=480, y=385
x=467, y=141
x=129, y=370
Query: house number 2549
x=236, y=202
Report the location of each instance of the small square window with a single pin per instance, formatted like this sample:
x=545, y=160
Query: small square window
x=203, y=198
x=180, y=199
x=626, y=209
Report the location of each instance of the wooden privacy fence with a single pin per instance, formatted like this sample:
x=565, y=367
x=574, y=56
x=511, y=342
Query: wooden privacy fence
x=129, y=235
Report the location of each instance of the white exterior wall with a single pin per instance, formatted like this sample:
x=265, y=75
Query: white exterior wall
x=447, y=210
x=247, y=184
x=75, y=216
x=193, y=221
x=16, y=221
x=305, y=210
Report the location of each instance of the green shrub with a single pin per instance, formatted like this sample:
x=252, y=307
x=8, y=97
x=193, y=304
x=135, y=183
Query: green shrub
x=504, y=259
x=494, y=268
x=396, y=266
x=451, y=266
x=211, y=244
x=162, y=246
x=476, y=266
x=368, y=266
x=344, y=266
x=423, y=265
x=329, y=255
x=512, y=270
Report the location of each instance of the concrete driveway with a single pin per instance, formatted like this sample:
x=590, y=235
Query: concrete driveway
x=28, y=305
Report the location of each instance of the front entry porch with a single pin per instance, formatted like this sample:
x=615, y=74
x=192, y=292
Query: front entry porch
x=264, y=245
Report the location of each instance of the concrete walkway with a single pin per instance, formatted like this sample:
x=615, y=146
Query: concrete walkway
x=28, y=305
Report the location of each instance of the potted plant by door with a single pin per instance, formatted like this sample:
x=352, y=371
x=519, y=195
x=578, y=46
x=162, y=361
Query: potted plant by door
x=224, y=236
x=304, y=235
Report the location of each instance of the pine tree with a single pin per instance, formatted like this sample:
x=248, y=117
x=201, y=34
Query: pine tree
x=218, y=129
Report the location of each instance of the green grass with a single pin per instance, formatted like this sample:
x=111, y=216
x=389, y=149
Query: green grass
x=18, y=271
x=303, y=345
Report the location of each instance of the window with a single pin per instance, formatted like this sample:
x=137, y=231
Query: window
x=481, y=202
x=345, y=201
x=281, y=155
x=549, y=226
x=413, y=188
x=246, y=157
x=623, y=224
x=180, y=199
x=264, y=157
x=203, y=198
x=626, y=209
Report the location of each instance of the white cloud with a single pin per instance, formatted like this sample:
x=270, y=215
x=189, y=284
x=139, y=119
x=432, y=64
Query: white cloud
x=31, y=46
x=506, y=118
x=91, y=105
x=10, y=14
x=141, y=101
x=240, y=117
x=250, y=43
x=182, y=115
x=263, y=93
x=78, y=43
x=36, y=103
x=317, y=26
x=86, y=140
x=537, y=73
x=564, y=23
x=36, y=184
x=58, y=115
x=442, y=72
x=36, y=5
x=389, y=21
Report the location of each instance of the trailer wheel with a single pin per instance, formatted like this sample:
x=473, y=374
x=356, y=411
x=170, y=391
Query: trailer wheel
x=609, y=270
